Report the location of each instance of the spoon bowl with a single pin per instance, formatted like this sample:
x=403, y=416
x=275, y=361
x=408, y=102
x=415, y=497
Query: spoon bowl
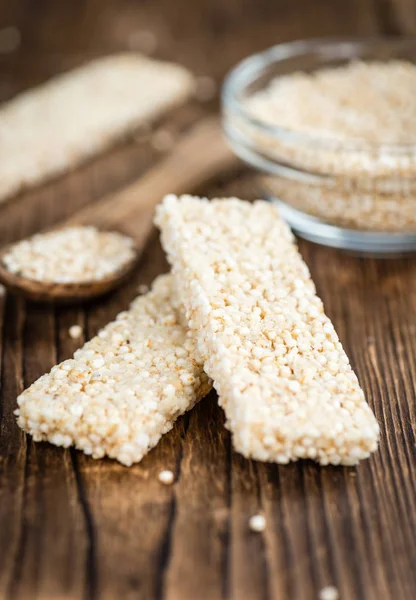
x=63, y=293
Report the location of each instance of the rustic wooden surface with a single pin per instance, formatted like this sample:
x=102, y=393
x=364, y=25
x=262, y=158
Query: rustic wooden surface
x=72, y=527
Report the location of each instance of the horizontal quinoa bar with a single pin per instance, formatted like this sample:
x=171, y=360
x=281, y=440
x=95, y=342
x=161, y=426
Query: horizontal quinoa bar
x=62, y=123
x=282, y=376
x=124, y=389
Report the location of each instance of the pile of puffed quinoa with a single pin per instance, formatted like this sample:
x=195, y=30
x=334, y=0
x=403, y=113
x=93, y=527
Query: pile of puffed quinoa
x=70, y=255
x=353, y=128
x=363, y=102
x=239, y=310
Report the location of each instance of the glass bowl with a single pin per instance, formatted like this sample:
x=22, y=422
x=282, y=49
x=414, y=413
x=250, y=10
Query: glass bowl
x=346, y=194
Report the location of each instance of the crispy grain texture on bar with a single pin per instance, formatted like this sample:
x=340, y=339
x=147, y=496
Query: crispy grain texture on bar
x=283, y=378
x=54, y=127
x=124, y=389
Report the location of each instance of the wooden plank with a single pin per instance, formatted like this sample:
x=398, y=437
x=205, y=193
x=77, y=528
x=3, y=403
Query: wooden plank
x=200, y=524
x=248, y=565
x=397, y=17
x=12, y=443
x=50, y=502
x=365, y=301
x=45, y=499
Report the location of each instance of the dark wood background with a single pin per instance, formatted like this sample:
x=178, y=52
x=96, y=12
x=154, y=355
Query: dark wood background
x=72, y=527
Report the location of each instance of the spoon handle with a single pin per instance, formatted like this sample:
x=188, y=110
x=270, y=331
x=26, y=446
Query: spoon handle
x=199, y=156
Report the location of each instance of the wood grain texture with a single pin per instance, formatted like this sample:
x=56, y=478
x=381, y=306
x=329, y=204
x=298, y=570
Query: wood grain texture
x=75, y=528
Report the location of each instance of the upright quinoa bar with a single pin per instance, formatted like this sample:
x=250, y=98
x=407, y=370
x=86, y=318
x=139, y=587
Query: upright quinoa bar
x=283, y=378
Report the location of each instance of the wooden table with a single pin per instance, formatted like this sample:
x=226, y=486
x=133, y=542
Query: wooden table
x=72, y=527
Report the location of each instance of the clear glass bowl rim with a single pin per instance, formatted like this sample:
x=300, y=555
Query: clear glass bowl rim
x=248, y=70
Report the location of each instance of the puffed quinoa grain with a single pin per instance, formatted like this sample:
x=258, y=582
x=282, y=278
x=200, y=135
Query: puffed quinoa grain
x=123, y=389
x=162, y=140
x=257, y=523
x=282, y=376
x=75, y=331
x=166, y=477
x=329, y=593
x=70, y=255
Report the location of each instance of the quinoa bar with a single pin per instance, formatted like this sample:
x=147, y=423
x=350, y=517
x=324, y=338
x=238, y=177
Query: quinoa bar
x=282, y=376
x=61, y=123
x=124, y=389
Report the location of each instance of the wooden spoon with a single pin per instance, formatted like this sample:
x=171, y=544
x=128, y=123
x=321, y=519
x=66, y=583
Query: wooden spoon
x=198, y=157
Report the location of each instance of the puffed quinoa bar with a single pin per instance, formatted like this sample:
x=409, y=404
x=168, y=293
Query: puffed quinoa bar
x=61, y=123
x=282, y=376
x=124, y=389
